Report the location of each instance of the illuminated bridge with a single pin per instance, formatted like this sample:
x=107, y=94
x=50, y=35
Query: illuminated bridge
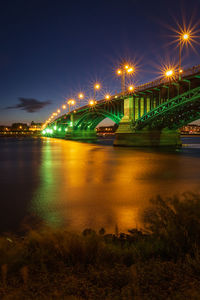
x=149, y=116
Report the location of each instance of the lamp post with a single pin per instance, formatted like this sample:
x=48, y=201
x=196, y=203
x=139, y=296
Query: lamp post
x=169, y=74
x=71, y=102
x=125, y=69
x=96, y=88
x=184, y=38
x=81, y=96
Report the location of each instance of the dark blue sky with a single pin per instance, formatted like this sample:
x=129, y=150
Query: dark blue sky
x=53, y=49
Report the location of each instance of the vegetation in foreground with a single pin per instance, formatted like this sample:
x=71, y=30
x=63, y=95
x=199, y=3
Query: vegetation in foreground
x=160, y=262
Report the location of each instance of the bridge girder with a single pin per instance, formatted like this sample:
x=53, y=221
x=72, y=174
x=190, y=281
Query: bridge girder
x=174, y=113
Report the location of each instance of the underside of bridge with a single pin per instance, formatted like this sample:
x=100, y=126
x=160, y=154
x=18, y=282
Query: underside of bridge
x=149, y=117
x=85, y=125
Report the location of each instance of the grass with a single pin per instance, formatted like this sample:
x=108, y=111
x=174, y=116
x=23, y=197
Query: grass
x=160, y=262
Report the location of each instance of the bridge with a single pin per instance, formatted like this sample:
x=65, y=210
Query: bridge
x=150, y=115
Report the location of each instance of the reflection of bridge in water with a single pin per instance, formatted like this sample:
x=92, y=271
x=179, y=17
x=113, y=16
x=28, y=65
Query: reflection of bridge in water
x=149, y=116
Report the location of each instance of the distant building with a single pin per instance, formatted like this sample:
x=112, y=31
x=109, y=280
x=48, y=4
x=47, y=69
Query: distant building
x=19, y=127
x=190, y=129
x=4, y=128
x=106, y=129
x=35, y=126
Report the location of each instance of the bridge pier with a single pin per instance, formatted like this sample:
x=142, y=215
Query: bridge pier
x=148, y=138
x=89, y=134
x=127, y=135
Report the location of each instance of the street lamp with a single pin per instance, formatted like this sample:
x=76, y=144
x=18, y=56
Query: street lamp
x=131, y=88
x=92, y=102
x=64, y=106
x=107, y=97
x=122, y=72
x=130, y=70
x=169, y=73
x=184, y=37
x=96, y=88
x=81, y=95
x=71, y=102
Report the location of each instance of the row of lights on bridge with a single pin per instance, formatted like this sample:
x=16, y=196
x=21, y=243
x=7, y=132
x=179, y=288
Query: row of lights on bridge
x=81, y=96
x=125, y=69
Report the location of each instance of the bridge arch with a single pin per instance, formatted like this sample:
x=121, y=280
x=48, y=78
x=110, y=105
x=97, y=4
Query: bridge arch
x=90, y=119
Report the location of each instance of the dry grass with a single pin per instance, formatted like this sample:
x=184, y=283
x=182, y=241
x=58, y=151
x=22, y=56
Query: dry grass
x=163, y=262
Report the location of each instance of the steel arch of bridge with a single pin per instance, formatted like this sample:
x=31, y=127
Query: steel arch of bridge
x=174, y=113
x=91, y=118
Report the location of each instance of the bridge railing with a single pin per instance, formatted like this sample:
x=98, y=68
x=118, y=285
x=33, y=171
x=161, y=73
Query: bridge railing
x=191, y=71
x=160, y=81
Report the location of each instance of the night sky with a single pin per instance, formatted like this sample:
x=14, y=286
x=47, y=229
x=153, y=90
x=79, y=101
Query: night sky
x=51, y=50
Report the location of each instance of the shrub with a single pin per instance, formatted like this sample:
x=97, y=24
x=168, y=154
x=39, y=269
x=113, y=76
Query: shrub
x=176, y=222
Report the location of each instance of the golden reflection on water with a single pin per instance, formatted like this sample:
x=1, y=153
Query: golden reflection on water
x=86, y=185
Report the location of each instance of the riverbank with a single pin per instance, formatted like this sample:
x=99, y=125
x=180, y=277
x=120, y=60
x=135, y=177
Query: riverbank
x=14, y=134
x=162, y=261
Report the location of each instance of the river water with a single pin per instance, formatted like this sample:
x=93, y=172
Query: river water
x=81, y=185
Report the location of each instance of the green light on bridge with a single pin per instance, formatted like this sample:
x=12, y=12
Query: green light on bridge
x=55, y=128
x=44, y=131
x=70, y=124
x=49, y=131
x=59, y=129
x=66, y=129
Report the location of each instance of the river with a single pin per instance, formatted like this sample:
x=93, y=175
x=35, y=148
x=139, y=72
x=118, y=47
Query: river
x=82, y=185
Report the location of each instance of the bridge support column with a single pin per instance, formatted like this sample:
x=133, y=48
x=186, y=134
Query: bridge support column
x=127, y=120
x=148, y=138
x=127, y=135
x=89, y=134
x=131, y=110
